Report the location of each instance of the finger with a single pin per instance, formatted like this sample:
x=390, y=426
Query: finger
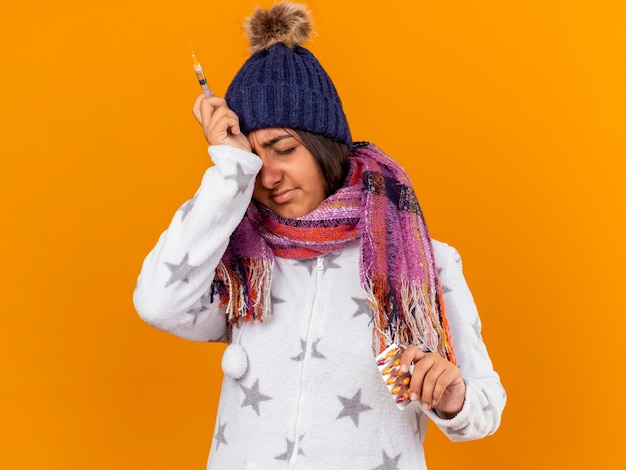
x=225, y=130
x=233, y=123
x=221, y=124
x=196, y=108
x=420, y=370
x=431, y=383
x=204, y=108
x=211, y=115
x=450, y=376
x=207, y=110
x=410, y=356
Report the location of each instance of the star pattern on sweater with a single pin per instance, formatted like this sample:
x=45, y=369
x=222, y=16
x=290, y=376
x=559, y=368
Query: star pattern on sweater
x=195, y=311
x=488, y=405
x=460, y=431
x=219, y=436
x=314, y=352
x=418, y=428
x=310, y=265
x=241, y=178
x=352, y=407
x=277, y=300
x=444, y=288
x=329, y=260
x=186, y=208
x=363, y=307
x=287, y=454
x=180, y=271
x=476, y=325
x=300, y=357
x=205, y=300
x=253, y=397
x=389, y=463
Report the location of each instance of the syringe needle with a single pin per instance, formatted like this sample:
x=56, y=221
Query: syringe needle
x=200, y=74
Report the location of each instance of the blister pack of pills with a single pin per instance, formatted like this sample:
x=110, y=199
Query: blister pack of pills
x=388, y=363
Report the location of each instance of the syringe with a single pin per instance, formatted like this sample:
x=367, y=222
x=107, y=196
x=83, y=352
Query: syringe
x=200, y=74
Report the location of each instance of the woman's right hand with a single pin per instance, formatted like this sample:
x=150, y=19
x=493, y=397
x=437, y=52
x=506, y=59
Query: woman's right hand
x=219, y=123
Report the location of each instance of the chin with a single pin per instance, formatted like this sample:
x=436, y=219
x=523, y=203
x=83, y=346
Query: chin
x=290, y=212
x=286, y=211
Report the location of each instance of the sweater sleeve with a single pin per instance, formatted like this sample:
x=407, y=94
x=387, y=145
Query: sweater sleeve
x=173, y=287
x=484, y=396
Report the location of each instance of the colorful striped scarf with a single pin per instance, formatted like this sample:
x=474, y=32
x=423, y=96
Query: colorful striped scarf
x=376, y=204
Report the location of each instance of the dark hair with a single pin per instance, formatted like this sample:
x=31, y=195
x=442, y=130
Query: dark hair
x=331, y=156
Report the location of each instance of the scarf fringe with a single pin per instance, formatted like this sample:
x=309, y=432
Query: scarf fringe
x=412, y=323
x=251, y=300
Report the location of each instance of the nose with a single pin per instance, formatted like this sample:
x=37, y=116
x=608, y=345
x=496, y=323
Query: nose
x=270, y=175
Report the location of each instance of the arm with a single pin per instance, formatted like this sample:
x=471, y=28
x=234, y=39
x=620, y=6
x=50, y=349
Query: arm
x=173, y=288
x=484, y=395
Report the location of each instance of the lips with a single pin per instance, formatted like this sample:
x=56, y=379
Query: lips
x=282, y=196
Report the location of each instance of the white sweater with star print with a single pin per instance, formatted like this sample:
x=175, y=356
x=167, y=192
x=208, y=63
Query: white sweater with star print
x=312, y=397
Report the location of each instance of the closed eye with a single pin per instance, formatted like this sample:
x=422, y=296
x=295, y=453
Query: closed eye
x=286, y=151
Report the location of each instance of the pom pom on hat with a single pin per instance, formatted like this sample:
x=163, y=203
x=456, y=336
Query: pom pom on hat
x=286, y=23
x=282, y=84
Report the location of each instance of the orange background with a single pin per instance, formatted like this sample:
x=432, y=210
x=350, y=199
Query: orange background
x=509, y=116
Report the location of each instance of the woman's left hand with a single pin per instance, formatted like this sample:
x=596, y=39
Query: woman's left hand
x=435, y=381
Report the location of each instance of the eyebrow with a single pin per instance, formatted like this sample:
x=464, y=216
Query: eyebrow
x=275, y=140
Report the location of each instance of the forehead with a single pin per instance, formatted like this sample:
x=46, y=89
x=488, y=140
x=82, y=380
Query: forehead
x=270, y=135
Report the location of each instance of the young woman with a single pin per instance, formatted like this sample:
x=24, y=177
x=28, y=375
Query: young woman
x=308, y=253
